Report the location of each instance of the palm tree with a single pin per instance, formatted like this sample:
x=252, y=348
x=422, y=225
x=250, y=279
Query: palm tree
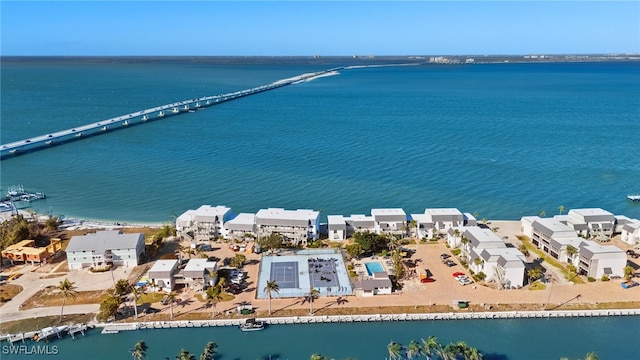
x=628, y=271
x=185, y=355
x=172, y=298
x=591, y=356
x=523, y=249
x=213, y=274
x=561, y=208
x=271, y=288
x=313, y=293
x=413, y=349
x=68, y=289
x=209, y=351
x=534, y=273
x=429, y=346
x=394, y=350
x=139, y=351
x=214, y=295
x=571, y=251
x=450, y=352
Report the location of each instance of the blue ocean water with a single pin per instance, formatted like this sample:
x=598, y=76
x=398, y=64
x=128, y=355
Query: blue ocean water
x=513, y=339
x=503, y=140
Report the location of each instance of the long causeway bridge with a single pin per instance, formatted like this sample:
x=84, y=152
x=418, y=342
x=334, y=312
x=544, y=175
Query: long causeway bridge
x=103, y=126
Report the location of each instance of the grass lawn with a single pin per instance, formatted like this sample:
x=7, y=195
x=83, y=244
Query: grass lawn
x=150, y=298
x=537, y=286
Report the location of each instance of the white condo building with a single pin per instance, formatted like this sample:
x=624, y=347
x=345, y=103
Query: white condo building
x=110, y=247
x=297, y=226
x=554, y=238
x=204, y=223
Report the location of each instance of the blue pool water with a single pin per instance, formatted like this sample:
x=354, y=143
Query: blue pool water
x=373, y=267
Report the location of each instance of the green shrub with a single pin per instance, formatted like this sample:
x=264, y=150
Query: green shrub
x=456, y=252
x=590, y=279
x=604, y=278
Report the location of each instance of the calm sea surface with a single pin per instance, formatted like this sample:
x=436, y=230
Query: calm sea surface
x=503, y=140
x=524, y=339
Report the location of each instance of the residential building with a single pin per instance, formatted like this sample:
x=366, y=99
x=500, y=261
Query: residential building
x=241, y=226
x=204, y=223
x=630, y=233
x=360, y=223
x=26, y=251
x=378, y=284
x=336, y=227
x=591, y=259
x=444, y=218
x=596, y=260
x=424, y=226
x=109, y=247
x=592, y=222
x=392, y=221
x=297, y=226
x=197, y=273
x=487, y=253
x=163, y=273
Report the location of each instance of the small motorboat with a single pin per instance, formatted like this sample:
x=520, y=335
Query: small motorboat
x=252, y=325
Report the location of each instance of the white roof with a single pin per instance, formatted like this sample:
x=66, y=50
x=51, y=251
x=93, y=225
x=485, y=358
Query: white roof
x=421, y=218
x=101, y=241
x=443, y=211
x=282, y=214
x=199, y=265
x=391, y=211
x=164, y=265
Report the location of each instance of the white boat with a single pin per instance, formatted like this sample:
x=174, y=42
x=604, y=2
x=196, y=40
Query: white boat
x=633, y=197
x=252, y=325
x=49, y=332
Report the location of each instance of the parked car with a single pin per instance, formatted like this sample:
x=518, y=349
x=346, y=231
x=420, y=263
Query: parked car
x=450, y=263
x=458, y=274
x=464, y=281
x=444, y=256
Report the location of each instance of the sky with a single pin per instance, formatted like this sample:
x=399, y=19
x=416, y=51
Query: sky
x=326, y=28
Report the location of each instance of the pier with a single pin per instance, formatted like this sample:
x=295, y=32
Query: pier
x=139, y=117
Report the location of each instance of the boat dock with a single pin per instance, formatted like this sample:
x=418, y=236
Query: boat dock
x=17, y=193
x=139, y=117
x=466, y=315
x=47, y=333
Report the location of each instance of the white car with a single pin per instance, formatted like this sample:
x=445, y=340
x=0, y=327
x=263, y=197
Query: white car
x=464, y=281
x=236, y=280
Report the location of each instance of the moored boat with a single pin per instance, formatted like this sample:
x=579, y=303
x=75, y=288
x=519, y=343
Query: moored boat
x=633, y=197
x=252, y=325
x=49, y=332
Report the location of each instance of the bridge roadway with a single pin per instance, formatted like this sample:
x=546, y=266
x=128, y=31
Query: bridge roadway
x=104, y=126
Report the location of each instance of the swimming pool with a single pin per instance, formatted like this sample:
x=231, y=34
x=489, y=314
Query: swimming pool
x=373, y=267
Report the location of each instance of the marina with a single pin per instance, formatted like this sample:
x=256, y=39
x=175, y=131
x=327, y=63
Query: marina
x=17, y=193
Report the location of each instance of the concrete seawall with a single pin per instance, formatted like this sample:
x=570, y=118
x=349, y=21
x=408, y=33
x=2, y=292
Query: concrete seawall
x=115, y=328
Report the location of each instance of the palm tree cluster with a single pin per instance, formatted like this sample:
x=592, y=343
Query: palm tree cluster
x=139, y=352
x=215, y=294
x=431, y=348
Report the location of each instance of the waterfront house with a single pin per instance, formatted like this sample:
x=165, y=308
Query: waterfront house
x=592, y=222
x=444, y=218
x=203, y=224
x=336, y=227
x=359, y=223
x=197, y=273
x=391, y=221
x=241, y=226
x=26, y=251
x=297, y=226
x=424, y=226
x=487, y=253
x=630, y=233
x=596, y=260
x=541, y=230
x=163, y=274
x=109, y=247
